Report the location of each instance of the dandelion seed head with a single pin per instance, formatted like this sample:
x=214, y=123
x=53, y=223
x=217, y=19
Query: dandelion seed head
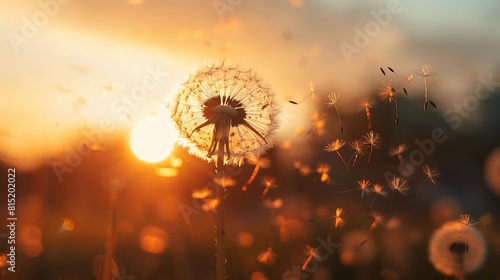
x=338, y=221
x=367, y=104
x=269, y=182
x=335, y=145
x=358, y=146
x=426, y=71
x=386, y=92
x=466, y=220
x=456, y=248
x=431, y=173
x=363, y=185
x=323, y=168
x=372, y=139
x=222, y=105
x=332, y=98
x=379, y=189
x=398, y=150
x=268, y=257
x=400, y=185
x=210, y=204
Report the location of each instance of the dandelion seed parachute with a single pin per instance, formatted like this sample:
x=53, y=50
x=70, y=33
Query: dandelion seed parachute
x=456, y=249
x=222, y=104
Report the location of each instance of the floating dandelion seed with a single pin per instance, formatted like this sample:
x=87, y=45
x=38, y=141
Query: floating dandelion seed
x=379, y=190
x=261, y=162
x=387, y=92
x=398, y=151
x=426, y=71
x=268, y=257
x=222, y=110
x=359, y=149
x=323, y=170
x=202, y=194
x=312, y=94
x=335, y=146
x=398, y=185
x=373, y=140
x=269, y=183
x=376, y=220
x=366, y=105
x=456, y=249
x=430, y=175
x=331, y=100
x=338, y=221
x=401, y=83
x=466, y=220
x=363, y=185
x=311, y=253
x=210, y=204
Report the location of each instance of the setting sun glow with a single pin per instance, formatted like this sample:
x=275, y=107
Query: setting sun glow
x=152, y=139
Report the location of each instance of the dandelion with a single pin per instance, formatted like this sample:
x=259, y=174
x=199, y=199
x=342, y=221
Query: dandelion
x=268, y=257
x=335, y=146
x=331, y=100
x=397, y=76
x=363, y=186
x=202, y=193
x=222, y=110
x=466, y=220
x=379, y=190
x=398, y=185
x=430, y=175
x=426, y=71
x=261, y=162
x=338, y=221
x=366, y=105
x=312, y=94
x=269, y=183
x=456, y=249
x=373, y=140
x=359, y=149
x=398, y=151
x=376, y=220
x=387, y=92
x=311, y=253
x=224, y=113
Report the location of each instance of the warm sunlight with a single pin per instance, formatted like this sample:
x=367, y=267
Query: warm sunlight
x=152, y=139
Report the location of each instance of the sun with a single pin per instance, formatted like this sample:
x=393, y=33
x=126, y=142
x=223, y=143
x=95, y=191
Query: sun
x=153, y=139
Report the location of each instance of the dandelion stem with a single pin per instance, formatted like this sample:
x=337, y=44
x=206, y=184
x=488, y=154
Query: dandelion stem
x=252, y=178
x=368, y=117
x=369, y=155
x=220, y=245
x=111, y=240
x=392, y=198
x=342, y=158
x=419, y=188
x=308, y=260
x=338, y=115
x=426, y=94
x=371, y=204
